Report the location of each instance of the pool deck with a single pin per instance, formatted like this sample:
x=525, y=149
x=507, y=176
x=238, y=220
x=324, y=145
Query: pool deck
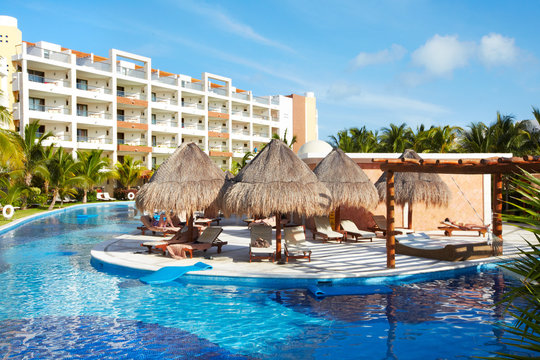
x=330, y=260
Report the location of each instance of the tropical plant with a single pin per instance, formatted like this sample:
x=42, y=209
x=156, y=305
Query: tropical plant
x=93, y=169
x=9, y=154
x=237, y=166
x=395, y=138
x=477, y=139
x=284, y=139
x=63, y=179
x=442, y=139
x=523, y=301
x=355, y=140
x=128, y=172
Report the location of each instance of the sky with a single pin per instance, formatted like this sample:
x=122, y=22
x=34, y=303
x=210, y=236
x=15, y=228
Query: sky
x=369, y=63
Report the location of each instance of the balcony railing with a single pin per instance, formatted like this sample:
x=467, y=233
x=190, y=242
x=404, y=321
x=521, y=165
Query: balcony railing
x=258, y=116
x=193, y=126
x=241, y=96
x=192, y=85
x=275, y=100
x=219, y=91
x=98, y=65
x=164, y=145
x=275, y=118
x=131, y=118
x=241, y=113
x=93, y=140
x=97, y=89
x=218, y=109
x=240, y=149
x=261, y=100
x=50, y=109
x=54, y=137
x=222, y=148
x=219, y=129
x=94, y=115
x=164, y=79
x=44, y=80
x=240, y=132
x=48, y=54
x=193, y=105
x=130, y=95
x=135, y=142
x=169, y=123
x=261, y=134
x=165, y=100
x=202, y=147
x=130, y=72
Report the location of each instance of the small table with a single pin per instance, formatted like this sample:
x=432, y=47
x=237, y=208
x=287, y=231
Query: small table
x=207, y=221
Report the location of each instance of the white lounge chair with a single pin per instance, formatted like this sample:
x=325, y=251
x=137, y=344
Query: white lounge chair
x=295, y=243
x=324, y=230
x=108, y=197
x=261, y=231
x=101, y=196
x=350, y=229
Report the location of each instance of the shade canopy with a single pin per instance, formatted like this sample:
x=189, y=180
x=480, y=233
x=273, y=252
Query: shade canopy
x=347, y=182
x=414, y=188
x=276, y=181
x=186, y=182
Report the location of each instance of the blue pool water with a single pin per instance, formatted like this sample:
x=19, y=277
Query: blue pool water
x=56, y=305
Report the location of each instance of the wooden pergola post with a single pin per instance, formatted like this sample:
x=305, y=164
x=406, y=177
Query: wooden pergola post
x=390, y=233
x=497, y=213
x=409, y=216
x=337, y=218
x=278, y=236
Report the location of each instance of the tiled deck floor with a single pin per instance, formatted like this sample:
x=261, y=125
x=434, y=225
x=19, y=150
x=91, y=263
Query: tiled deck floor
x=329, y=260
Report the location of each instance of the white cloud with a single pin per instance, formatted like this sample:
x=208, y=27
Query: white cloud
x=441, y=55
x=495, y=49
x=395, y=53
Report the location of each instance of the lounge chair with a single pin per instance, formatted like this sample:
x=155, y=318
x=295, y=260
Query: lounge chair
x=101, y=196
x=350, y=229
x=421, y=245
x=295, y=243
x=108, y=197
x=324, y=230
x=261, y=231
x=449, y=226
x=380, y=225
x=148, y=226
x=210, y=237
x=270, y=221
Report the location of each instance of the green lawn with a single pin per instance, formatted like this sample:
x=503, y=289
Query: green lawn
x=23, y=213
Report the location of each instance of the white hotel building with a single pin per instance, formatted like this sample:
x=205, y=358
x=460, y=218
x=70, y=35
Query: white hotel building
x=122, y=105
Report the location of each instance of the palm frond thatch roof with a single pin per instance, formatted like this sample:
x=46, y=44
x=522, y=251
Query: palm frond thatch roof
x=186, y=182
x=347, y=182
x=276, y=181
x=413, y=188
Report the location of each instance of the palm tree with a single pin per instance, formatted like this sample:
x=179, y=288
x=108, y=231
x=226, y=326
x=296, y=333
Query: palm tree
x=128, y=172
x=343, y=141
x=63, y=178
x=509, y=135
x=9, y=149
x=284, y=139
x=93, y=169
x=355, y=140
x=442, y=139
x=477, y=139
x=237, y=166
x=395, y=138
x=421, y=140
x=32, y=152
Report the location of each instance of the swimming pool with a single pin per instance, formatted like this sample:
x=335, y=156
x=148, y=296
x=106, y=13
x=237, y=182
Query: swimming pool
x=56, y=305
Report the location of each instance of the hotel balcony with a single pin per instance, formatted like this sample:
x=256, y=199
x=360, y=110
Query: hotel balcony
x=219, y=151
x=164, y=79
x=137, y=146
x=94, y=118
x=170, y=123
x=48, y=84
x=239, y=151
x=103, y=143
x=219, y=91
x=133, y=122
x=96, y=65
x=164, y=147
x=240, y=134
x=57, y=140
x=131, y=95
x=56, y=113
x=241, y=96
x=94, y=92
x=133, y=73
x=218, y=109
x=161, y=100
x=48, y=55
x=217, y=129
x=261, y=100
x=193, y=108
x=260, y=118
x=192, y=85
x=261, y=134
x=240, y=115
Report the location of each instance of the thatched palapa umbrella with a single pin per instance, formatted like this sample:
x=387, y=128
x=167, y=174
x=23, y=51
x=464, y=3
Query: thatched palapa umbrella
x=276, y=181
x=412, y=188
x=187, y=181
x=347, y=182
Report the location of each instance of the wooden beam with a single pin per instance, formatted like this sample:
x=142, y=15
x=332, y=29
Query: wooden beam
x=464, y=168
x=390, y=233
x=497, y=213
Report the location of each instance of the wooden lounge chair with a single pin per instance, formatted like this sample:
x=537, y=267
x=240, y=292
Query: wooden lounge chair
x=350, y=229
x=261, y=231
x=156, y=229
x=324, y=230
x=380, y=225
x=208, y=237
x=449, y=226
x=418, y=245
x=295, y=243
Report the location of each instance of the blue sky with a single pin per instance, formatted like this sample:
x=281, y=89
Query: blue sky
x=369, y=63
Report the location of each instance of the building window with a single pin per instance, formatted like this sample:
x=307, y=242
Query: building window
x=121, y=159
x=154, y=141
x=82, y=110
x=37, y=104
x=36, y=76
x=82, y=84
x=154, y=119
x=82, y=135
x=154, y=162
x=154, y=97
x=120, y=91
x=120, y=115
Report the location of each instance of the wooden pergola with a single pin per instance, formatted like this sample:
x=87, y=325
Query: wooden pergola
x=495, y=166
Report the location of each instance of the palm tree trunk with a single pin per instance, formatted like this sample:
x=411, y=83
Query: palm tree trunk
x=55, y=193
x=85, y=196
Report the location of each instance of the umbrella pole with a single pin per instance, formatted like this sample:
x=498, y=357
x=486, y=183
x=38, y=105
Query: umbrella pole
x=337, y=218
x=278, y=236
x=409, y=217
x=190, y=227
